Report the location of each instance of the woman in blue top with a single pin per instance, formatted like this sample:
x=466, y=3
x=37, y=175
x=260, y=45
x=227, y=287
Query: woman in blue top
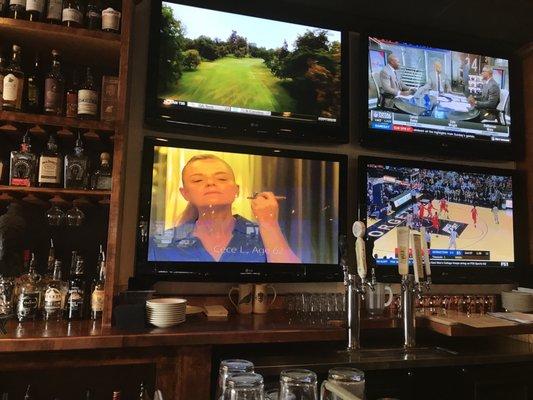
x=208, y=231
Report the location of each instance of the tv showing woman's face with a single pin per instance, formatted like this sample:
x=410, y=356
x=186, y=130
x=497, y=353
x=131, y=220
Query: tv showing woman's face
x=210, y=206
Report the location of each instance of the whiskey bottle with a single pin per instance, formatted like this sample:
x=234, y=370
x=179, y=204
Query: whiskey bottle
x=29, y=294
x=54, y=10
x=111, y=16
x=98, y=288
x=93, y=15
x=88, y=97
x=33, y=97
x=34, y=9
x=54, y=294
x=13, y=83
x=50, y=164
x=101, y=179
x=75, y=301
x=54, y=86
x=17, y=9
x=72, y=15
x=71, y=109
x=23, y=164
x=77, y=167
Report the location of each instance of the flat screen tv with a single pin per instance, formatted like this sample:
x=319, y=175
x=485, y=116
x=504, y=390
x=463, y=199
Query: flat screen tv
x=470, y=217
x=244, y=75
x=431, y=98
x=230, y=213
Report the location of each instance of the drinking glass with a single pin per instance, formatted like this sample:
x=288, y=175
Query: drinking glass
x=350, y=379
x=272, y=394
x=75, y=216
x=244, y=386
x=55, y=216
x=7, y=288
x=228, y=367
x=298, y=384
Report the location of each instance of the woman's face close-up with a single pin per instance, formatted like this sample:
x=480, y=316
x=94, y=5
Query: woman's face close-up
x=209, y=182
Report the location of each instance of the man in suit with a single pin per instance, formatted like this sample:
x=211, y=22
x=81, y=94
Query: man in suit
x=437, y=79
x=391, y=86
x=490, y=95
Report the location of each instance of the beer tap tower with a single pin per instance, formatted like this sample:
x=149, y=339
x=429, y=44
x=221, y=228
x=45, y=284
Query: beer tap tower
x=355, y=285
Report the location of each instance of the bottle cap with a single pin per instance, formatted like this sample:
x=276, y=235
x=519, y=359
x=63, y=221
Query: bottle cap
x=16, y=48
x=105, y=157
x=55, y=53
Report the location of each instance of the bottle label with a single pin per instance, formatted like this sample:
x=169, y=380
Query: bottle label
x=76, y=173
x=97, y=300
x=75, y=299
x=27, y=304
x=11, y=89
x=21, y=172
x=72, y=104
x=33, y=92
x=55, y=8
x=71, y=14
x=35, y=5
x=53, y=95
x=49, y=169
x=87, y=102
x=52, y=300
x=111, y=19
x=17, y=3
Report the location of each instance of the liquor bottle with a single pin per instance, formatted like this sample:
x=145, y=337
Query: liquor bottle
x=50, y=164
x=116, y=394
x=77, y=167
x=28, y=395
x=29, y=294
x=17, y=9
x=2, y=74
x=54, y=86
x=34, y=9
x=72, y=15
x=54, y=294
x=98, y=288
x=76, y=289
x=143, y=393
x=34, y=90
x=23, y=164
x=88, y=97
x=13, y=83
x=71, y=109
x=50, y=262
x=111, y=16
x=93, y=15
x=101, y=179
x=54, y=10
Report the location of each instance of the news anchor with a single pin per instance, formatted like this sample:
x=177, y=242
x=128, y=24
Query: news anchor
x=490, y=95
x=437, y=80
x=391, y=85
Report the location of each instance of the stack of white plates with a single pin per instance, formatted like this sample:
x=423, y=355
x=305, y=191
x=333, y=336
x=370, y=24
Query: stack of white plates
x=166, y=312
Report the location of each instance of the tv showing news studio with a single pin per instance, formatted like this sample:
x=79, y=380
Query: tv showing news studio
x=428, y=92
x=262, y=73
x=468, y=215
x=217, y=206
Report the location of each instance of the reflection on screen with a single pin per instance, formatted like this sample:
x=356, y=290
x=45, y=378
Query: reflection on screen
x=430, y=91
x=209, y=206
x=468, y=216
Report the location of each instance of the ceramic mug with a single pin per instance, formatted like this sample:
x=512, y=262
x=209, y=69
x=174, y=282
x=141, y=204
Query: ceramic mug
x=245, y=298
x=375, y=299
x=261, y=304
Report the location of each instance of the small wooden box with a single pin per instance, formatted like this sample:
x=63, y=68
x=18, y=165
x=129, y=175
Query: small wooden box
x=109, y=104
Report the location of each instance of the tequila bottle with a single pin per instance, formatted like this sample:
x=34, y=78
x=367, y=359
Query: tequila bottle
x=101, y=179
x=77, y=167
x=23, y=164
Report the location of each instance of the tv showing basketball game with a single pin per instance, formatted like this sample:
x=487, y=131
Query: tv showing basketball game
x=224, y=62
x=215, y=205
x=468, y=215
x=423, y=91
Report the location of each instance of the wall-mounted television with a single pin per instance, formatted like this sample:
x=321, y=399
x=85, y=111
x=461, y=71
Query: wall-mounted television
x=230, y=213
x=428, y=96
x=470, y=217
x=245, y=76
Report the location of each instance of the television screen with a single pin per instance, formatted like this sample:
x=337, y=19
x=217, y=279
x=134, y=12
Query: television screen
x=230, y=63
x=433, y=92
x=212, y=205
x=468, y=216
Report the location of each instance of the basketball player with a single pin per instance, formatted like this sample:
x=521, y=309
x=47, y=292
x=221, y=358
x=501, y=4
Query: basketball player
x=430, y=207
x=421, y=211
x=444, y=208
x=473, y=212
x=435, y=224
x=495, y=215
x=453, y=239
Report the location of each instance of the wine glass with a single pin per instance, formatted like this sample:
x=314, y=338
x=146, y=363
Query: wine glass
x=75, y=216
x=55, y=215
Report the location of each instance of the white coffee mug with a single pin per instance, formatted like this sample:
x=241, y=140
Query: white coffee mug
x=261, y=304
x=375, y=299
x=245, y=298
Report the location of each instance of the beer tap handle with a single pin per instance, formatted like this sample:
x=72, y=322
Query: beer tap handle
x=358, y=230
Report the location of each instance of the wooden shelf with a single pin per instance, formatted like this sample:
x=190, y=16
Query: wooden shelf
x=102, y=194
x=78, y=44
x=51, y=120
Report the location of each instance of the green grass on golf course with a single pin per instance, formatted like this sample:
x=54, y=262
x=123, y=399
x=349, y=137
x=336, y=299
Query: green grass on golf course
x=237, y=82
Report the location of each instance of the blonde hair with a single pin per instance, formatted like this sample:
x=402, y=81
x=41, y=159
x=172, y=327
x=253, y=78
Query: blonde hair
x=190, y=213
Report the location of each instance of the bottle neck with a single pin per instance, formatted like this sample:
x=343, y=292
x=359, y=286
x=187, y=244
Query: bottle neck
x=15, y=61
x=101, y=275
x=56, y=67
x=57, y=273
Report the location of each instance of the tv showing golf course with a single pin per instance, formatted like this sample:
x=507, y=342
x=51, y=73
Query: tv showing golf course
x=219, y=61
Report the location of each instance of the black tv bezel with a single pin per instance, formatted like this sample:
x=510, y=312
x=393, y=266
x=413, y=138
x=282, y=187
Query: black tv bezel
x=232, y=125
x=232, y=272
x=450, y=275
x=432, y=143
